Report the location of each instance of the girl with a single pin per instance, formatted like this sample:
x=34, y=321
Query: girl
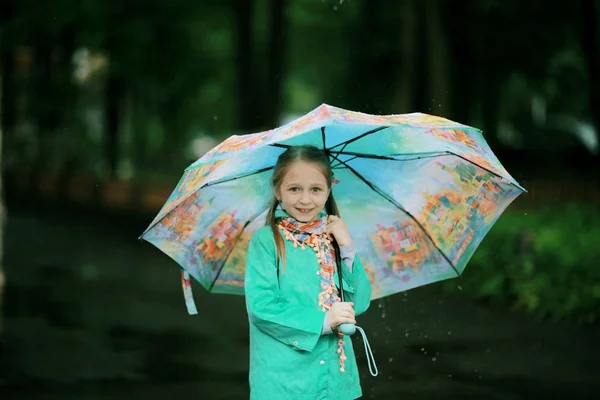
x=293, y=303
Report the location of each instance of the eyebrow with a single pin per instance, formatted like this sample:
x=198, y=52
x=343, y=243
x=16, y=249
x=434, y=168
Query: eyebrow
x=297, y=184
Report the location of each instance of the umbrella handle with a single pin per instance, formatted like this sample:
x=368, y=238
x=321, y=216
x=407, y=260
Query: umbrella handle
x=348, y=329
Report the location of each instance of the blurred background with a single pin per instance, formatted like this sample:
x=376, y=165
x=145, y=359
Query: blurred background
x=104, y=103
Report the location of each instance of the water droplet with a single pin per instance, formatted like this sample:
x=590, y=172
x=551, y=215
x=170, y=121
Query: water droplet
x=433, y=359
x=335, y=8
x=215, y=117
x=449, y=332
x=406, y=334
x=390, y=359
x=422, y=348
x=459, y=287
x=525, y=213
x=449, y=375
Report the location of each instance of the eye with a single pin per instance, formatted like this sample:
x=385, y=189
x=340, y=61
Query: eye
x=317, y=189
x=294, y=189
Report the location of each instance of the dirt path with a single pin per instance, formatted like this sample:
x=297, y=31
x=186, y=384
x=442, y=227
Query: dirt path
x=92, y=313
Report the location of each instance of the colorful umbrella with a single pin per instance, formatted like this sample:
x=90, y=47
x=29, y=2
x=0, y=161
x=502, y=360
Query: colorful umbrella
x=417, y=192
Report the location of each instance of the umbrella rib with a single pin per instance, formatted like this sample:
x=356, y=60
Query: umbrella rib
x=217, y=182
x=429, y=154
x=399, y=206
x=354, y=139
x=212, y=284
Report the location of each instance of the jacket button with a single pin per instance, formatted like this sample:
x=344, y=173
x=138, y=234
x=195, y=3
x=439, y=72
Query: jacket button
x=296, y=343
x=322, y=362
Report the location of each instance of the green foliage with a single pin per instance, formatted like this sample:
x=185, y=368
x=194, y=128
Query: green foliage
x=544, y=261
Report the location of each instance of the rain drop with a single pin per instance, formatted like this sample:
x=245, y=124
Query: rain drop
x=449, y=332
x=433, y=359
x=335, y=8
x=422, y=348
x=390, y=359
x=215, y=117
x=449, y=375
x=341, y=1
x=406, y=334
x=459, y=287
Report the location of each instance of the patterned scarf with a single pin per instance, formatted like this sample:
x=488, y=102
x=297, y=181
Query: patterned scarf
x=313, y=234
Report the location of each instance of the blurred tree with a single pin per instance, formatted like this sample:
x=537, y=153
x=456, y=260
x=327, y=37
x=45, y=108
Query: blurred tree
x=247, y=106
x=591, y=49
x=7, y=119
x=437, y=58
x=275, y=71
x=402, y=100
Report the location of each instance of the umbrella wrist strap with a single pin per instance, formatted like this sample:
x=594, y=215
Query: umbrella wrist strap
x=368, y=353
x=187, y=293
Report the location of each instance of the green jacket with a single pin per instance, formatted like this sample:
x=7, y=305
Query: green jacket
x=289, y=358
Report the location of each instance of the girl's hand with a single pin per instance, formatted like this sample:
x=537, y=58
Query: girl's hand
x=337, y=228
x=341, y=313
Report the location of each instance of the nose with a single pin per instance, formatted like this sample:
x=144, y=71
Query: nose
x=305, y=199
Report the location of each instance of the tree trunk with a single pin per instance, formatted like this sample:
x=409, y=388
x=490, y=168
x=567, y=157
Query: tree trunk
x=247, y=109
x=589, y=9
x=7, y=121
x=2, y=222
x=461, y=17
x=421, y=89
x=490, y=108
x=403, y=94
x=4, y=123
x=112, y=120
x=439, y=103
x=276, y=61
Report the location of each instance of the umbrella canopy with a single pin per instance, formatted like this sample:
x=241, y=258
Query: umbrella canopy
x=417, y=192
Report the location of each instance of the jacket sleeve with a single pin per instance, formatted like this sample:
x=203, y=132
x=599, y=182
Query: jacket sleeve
x=357, y=286
x=298, y=327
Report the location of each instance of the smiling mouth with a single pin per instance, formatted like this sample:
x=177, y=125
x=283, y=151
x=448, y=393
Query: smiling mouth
x=304, y=210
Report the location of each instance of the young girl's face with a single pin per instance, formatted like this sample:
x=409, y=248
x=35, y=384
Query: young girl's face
x=303, y=191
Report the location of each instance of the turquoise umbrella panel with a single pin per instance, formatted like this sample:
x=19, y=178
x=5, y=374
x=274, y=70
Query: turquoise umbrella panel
x=223, y=169
x=396, y=252
x=465, y=142
x=331, y=135
x=201, y=236
x=231, y=277
x=455, y=201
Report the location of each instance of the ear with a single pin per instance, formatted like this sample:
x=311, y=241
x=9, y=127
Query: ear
x=277, y=195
